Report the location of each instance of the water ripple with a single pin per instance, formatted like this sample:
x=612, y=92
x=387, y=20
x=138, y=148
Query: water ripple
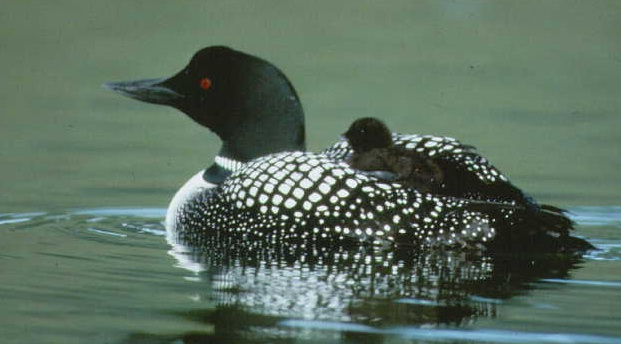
x=11, y=218
x=101, y=231
x=138, y=212
x=597, y=216
x=441, y=335
x=584, y=282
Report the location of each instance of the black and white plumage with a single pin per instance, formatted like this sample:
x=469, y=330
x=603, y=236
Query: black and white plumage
x=270, y=189
x=297, y=196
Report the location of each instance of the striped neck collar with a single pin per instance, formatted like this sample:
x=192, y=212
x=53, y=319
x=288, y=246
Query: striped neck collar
x=228, y=163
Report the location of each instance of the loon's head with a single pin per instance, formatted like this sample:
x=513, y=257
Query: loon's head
x=367, y=133
x=248, y=102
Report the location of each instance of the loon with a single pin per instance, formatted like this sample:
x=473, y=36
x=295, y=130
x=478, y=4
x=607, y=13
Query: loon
x=264, y=185
x=374, y=152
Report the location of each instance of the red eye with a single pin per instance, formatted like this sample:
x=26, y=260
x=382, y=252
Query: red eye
x=205, y=83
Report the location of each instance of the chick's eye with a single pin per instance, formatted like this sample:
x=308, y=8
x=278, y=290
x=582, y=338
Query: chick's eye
x=205, y=83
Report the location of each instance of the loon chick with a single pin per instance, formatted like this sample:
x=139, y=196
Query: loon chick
x=263, y=185
x=374, y=152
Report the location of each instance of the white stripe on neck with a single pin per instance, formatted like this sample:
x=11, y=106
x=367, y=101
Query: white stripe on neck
x=228, y=164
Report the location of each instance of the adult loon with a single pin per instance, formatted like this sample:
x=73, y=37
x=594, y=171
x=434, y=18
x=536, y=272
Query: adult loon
x=263, y=185
x=375, y=153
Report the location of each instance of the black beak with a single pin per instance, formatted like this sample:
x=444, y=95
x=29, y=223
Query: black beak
x=153, y=91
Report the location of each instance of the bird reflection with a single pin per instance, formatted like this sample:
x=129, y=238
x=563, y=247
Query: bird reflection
x=258, y=284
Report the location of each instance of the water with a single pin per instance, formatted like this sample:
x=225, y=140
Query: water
x=107, y=275
x=86, y=175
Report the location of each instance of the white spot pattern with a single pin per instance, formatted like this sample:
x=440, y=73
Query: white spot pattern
x=312, y=193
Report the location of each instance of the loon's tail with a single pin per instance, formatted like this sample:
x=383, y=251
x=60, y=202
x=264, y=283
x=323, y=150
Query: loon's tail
x=552, y=218
x=555, y=221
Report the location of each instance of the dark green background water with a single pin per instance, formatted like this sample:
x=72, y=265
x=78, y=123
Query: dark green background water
x=534, y=85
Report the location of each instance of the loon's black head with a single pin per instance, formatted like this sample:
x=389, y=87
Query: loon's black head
x=367, y=133
x=248, y=102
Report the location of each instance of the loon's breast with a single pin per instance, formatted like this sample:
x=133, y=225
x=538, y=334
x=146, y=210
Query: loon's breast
x=194, y=186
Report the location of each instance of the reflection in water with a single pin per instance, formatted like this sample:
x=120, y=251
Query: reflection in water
x=260, y=287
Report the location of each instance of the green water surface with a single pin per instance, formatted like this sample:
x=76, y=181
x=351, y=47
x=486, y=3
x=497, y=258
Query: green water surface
x=535, y=85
